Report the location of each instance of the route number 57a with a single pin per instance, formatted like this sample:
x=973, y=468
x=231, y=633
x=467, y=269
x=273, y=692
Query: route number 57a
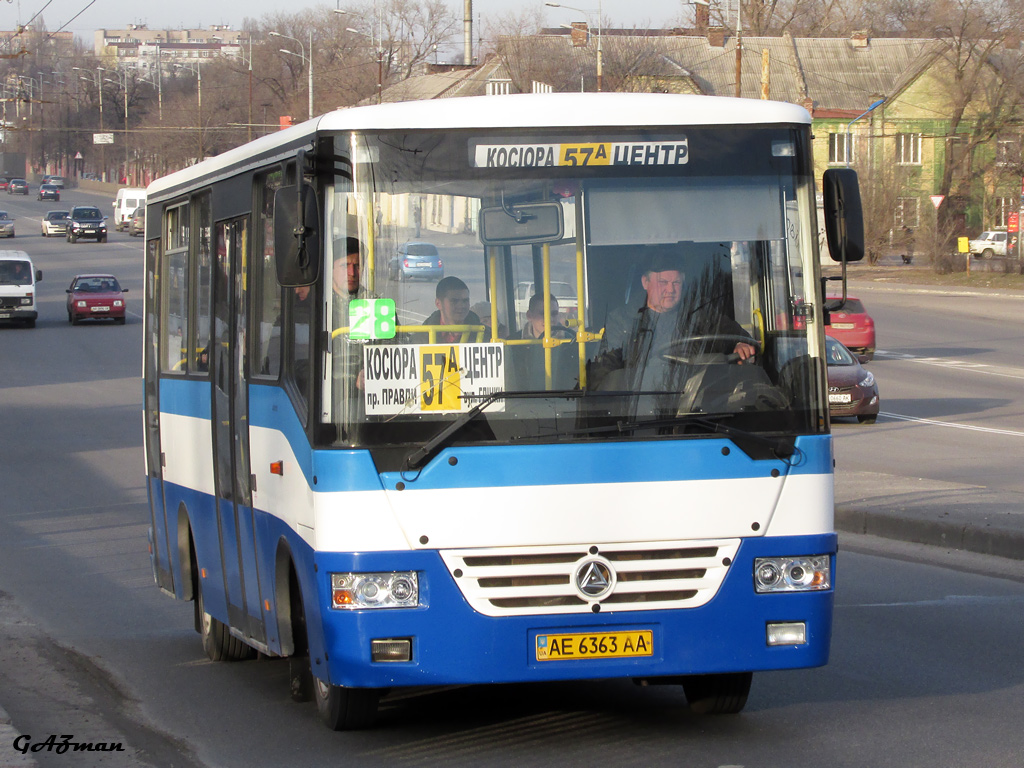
x=585, y=154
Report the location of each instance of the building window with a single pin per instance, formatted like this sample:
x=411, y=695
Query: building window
x=840, y=148
x=957, y=155
x=908, y=212
x=1008, y=151
x=908, y=148
x=1002, y=208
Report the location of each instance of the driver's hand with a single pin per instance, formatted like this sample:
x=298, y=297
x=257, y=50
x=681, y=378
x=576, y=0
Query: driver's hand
x=745, y=351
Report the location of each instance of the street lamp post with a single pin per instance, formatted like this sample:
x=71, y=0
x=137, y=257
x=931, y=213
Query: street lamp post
x=380, y=61
x=249, y=62
x=123, y=84
x=199, y=98
x=307, y=59
x=600, y=58
x=98, y=81
x=870, y=109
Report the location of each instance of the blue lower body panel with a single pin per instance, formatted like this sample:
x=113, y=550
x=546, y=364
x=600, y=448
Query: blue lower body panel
x=453, y=644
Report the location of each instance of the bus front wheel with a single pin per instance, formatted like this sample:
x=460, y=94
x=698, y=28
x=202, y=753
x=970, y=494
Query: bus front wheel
x=722, y=694
x=345, y=709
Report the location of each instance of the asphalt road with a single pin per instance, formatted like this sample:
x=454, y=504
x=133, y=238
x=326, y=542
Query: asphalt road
x=925, y=657
x=942, y=465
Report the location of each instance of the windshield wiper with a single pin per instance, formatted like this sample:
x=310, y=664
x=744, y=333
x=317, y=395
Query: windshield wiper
x=710, y=421
x=420, y=456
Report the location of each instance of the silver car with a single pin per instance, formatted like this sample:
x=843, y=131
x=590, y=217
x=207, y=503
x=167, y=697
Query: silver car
x=6, y=225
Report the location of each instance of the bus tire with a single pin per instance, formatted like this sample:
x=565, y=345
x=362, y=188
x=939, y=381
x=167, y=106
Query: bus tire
x=345, y=709
x=721, y=694
x=218, y=643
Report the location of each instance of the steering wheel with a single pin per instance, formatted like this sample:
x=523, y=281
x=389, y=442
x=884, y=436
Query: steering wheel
x=682, y=350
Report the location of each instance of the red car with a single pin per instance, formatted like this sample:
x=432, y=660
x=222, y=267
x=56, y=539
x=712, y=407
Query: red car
x=92, y=297
x=852, y=390
x=853, y=326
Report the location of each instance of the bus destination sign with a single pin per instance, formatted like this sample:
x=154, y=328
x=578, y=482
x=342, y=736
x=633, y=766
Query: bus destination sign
x=602, y=153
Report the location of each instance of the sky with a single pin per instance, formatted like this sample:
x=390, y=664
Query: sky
x=178, y=14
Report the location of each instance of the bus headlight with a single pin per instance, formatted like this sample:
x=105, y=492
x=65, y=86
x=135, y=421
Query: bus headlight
x=792, y=574
x=374, y=590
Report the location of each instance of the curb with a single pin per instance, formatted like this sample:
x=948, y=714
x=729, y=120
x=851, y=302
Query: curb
x=989, y=540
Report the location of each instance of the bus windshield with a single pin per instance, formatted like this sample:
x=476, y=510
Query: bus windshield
x=569, y=287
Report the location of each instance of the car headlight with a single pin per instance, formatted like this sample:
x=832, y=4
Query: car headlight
x=79, y=303
x=374, y=590
x=867, y=381
x=792, y=574
x=26, y=301
x=118, y=303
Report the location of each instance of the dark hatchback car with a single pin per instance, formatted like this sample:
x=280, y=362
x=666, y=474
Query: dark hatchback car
x=852, y=390
x=17, y=187
x=96, y=297
x=48, y=192
x=87, y=221
x=137, y=222
x=417, y=260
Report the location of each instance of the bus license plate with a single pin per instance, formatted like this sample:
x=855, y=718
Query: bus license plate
x=595, y=645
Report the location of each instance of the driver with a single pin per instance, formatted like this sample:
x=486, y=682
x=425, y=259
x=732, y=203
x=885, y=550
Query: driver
x=635, y=341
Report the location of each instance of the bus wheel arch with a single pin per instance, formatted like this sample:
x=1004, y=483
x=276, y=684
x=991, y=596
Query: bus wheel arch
x=217, y=640
x=186, y=555
x=291, y=624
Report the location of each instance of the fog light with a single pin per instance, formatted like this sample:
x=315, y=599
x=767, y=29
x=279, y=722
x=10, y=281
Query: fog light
x=392, y=649
x=787, y=633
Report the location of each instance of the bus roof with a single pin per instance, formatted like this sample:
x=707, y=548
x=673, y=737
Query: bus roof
x=546, y=110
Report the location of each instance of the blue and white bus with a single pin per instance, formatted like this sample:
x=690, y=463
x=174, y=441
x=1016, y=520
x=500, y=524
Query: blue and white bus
x=345, y=471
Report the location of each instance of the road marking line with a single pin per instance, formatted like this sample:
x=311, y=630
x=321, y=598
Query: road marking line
x=985, y=368
x=934, y=422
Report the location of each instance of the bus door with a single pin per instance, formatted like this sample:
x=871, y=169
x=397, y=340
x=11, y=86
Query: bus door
x=230, y=414
x=160, y=543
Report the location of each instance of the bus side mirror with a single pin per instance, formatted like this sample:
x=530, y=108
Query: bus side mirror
x=297, y=242
x=844, y=219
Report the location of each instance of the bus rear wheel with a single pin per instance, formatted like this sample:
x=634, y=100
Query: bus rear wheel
x=721, y=694
x=218, y=643
x=345, y=709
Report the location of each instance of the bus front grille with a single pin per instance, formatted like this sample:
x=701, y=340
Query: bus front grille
x=543, y=580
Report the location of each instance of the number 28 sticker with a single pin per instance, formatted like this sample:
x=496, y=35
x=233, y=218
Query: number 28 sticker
x=372, y=319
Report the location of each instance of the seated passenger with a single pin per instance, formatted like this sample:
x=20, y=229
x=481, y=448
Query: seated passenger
x=534, y=326
x=452, y=302
x=482, y=309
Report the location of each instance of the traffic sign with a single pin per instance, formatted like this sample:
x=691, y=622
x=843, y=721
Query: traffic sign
x=937, y=200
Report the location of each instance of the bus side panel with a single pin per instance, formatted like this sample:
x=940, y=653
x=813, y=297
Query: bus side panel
x=452, y=644
x=228, y=535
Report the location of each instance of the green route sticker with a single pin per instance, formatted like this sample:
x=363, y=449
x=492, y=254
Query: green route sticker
x=372, y=319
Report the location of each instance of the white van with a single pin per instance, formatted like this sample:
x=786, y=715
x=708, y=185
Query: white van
x=127, y=201
x=18, y=288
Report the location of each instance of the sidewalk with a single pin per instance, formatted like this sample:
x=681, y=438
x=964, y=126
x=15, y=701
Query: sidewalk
x=948, y=515
x=9, y=757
